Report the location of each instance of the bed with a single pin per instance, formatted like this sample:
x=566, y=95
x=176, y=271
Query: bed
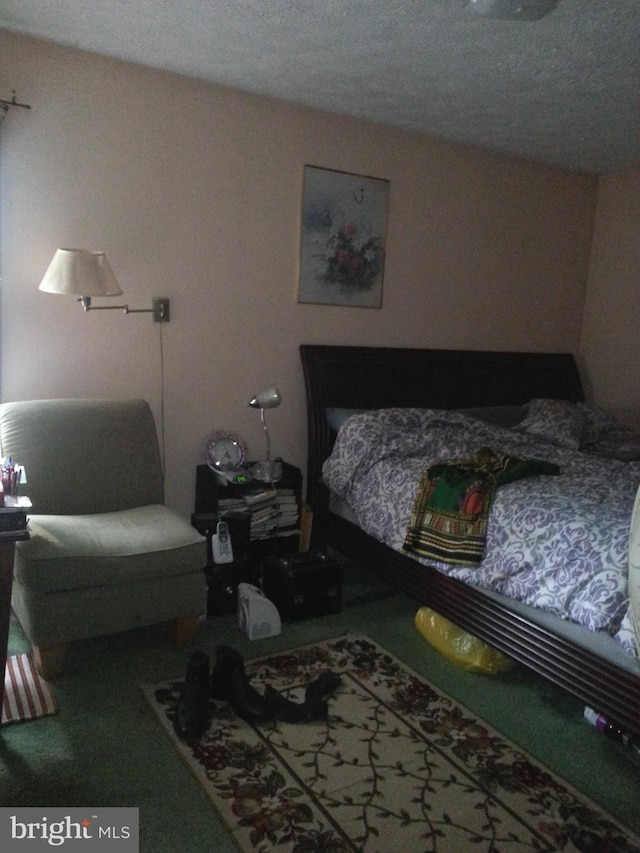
x=589, y=665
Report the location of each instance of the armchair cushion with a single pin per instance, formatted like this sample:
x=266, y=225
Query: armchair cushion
x=71, y=552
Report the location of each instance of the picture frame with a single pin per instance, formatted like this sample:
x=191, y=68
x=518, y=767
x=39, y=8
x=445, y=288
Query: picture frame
x=342, y=238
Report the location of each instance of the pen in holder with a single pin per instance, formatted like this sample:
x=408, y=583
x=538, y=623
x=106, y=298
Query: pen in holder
x=10, y=476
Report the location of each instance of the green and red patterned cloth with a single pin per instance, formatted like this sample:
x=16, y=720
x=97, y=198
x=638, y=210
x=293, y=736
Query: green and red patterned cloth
x=451, y=511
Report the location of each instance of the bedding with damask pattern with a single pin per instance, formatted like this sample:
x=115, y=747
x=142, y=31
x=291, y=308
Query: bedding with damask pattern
x=557, y=543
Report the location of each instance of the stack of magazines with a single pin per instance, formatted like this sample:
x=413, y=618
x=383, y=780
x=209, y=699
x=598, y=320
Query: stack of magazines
x=274, y=511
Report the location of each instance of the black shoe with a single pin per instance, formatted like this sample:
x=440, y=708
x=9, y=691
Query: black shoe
x=192, y=708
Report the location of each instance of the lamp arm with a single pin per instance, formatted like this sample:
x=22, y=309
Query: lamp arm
x=266, y=432
x=87, y=306
x=160, y=309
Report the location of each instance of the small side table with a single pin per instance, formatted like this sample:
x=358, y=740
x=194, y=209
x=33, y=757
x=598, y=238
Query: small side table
x=7, y=549
x=212, y=505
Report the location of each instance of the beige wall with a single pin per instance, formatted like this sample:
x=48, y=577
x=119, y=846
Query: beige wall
x=194, y=191
x=611, y=333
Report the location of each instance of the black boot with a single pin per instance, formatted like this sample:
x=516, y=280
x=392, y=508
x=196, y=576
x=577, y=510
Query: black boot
x=192, y=708
x=283, y=709
x=246, y=702
x=317, y=693
x=314, y=707
x=228, y=661
x=229, y=683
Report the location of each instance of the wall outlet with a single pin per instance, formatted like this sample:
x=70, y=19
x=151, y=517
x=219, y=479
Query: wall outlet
x=161, y=309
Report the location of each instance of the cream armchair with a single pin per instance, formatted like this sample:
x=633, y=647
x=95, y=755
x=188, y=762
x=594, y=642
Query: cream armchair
x=105, y=554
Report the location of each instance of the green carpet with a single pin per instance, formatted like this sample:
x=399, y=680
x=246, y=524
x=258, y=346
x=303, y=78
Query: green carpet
x=104, y=746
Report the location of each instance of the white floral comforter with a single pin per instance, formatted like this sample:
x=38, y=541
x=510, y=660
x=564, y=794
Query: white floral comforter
x=559, y=543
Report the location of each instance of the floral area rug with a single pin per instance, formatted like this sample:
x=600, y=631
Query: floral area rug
x=398, y=765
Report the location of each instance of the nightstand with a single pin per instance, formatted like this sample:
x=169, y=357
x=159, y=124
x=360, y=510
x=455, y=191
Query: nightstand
x=263, y=522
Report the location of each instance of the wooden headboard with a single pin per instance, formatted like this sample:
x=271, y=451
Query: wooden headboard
x=380, y=377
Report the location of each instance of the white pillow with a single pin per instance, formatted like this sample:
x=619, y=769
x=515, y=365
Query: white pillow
x=558, y=421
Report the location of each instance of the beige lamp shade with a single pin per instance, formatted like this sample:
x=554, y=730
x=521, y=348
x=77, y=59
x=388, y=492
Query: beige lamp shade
x=80, y=272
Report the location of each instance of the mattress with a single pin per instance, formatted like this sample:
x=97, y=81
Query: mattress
x=556, y=543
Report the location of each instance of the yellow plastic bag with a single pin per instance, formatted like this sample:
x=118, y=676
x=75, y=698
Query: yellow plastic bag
x=458, y=646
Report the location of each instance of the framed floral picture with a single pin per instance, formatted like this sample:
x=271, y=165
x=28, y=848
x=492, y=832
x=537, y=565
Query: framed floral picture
x=342, y=241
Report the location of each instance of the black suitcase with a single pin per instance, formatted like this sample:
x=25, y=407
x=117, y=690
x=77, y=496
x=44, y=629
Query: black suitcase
x=303, y=586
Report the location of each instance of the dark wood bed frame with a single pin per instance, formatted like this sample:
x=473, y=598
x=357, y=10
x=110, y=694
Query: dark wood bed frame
x=379, y=377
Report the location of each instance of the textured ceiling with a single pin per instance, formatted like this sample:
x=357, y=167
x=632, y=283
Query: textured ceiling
x=563, y=90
